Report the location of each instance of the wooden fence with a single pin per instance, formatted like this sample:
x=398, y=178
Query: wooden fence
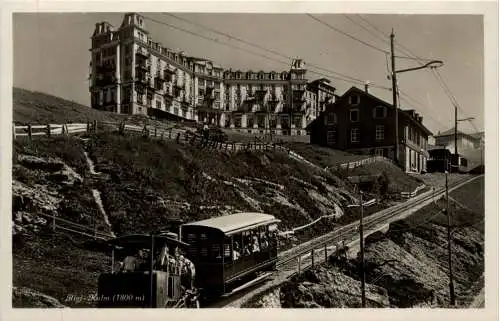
x=178, y=134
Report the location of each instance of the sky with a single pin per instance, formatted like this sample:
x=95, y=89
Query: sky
x=51, y=52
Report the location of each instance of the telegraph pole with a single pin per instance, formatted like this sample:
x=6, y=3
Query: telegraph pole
x=362, y=250
x=456, y=131
x=450, y=270
x=395, y=100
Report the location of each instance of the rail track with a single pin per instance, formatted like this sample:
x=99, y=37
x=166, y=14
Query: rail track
x=316, y=251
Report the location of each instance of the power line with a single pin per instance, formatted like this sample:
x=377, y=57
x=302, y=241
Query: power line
x=382, y=39
x=331, y=74
x=348, y=35
x=260, y=47
x=407, y=98
x=372, y=25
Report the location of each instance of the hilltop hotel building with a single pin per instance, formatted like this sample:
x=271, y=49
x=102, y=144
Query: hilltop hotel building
x=131, y=74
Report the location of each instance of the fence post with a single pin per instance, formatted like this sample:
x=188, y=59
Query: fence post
x=53, y=221
x=298, y=263
x=88, y=127
x=326, y=254
x=226, y=144
x=312, y=258
x=155, y=131
x=170, y=134
x=48, y=130
x=14, y=131
x=95, y=126
x=178, y=137
x=29, y=131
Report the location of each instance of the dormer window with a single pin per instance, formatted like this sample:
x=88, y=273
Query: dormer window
x=354, y=100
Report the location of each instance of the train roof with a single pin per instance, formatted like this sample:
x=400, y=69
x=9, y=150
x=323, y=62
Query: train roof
x=144, y=240
x=234, y=223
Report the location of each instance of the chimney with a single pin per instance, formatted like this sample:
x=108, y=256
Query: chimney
x=367, y=85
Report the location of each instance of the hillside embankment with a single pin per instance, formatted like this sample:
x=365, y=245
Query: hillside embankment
x=406, y=266
x=144, y=184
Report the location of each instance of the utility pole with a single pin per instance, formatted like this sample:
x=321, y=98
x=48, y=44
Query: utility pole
x=362, y=251
x=450, y=270
x=456, y=131
x=395, y=100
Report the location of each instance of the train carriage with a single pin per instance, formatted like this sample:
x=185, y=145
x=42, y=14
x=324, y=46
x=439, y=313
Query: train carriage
x=231, y=252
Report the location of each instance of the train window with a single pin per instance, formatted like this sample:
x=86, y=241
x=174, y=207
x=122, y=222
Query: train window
x=247, y=243
x=255, y=247
x=216, y=252
x=203, y=248
x=264, y=242
x=227, y=248
x=237, y=246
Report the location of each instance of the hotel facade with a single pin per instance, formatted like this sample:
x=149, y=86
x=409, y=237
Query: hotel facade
x=132, y=74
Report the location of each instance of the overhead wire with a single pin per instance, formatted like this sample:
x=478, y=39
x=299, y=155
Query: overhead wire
x=347, y=34
x=331, y=73
x=434, y=71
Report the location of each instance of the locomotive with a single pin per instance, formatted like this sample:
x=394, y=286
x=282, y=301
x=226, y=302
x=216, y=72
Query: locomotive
x=229, y=253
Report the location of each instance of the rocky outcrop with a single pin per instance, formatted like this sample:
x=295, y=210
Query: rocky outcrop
x=329, y=288
x=25, y=297
x=53, y=169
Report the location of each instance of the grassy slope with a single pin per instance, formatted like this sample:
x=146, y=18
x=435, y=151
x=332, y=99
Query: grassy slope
x=140, y=171
x=144, y=170
x=40, y=108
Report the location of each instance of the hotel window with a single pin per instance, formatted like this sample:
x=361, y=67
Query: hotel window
x=379, y=132
x=355, y=135
x=354, y=115
x=139, y=98
x=379, y=112
x=354, y=100
x=158, y=104
x=331, y=136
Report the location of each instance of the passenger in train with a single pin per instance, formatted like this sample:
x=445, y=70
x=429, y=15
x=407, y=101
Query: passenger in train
x=236, y=252
x=264, y=244
x=255, y=244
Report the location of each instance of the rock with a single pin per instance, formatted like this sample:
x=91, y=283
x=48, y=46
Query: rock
x=46, y=163
x=27, y=218
x=18, y=217
x=66, y=176
x=18, y=203
x=40, y=221
x=25, y=297
x=37, y=196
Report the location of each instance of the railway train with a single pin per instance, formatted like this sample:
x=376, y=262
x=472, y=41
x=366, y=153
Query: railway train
x=229, y=253
x=441, y=160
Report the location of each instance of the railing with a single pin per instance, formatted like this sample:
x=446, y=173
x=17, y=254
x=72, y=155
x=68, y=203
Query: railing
x=295, y=258
x=75, y=228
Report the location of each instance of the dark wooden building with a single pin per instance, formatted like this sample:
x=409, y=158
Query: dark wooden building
x=359, y=122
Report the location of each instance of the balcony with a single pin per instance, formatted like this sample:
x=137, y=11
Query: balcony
x=142, y=80
x=106, y=81
x=141, y=52
x=105, y=68
x=143, y=65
